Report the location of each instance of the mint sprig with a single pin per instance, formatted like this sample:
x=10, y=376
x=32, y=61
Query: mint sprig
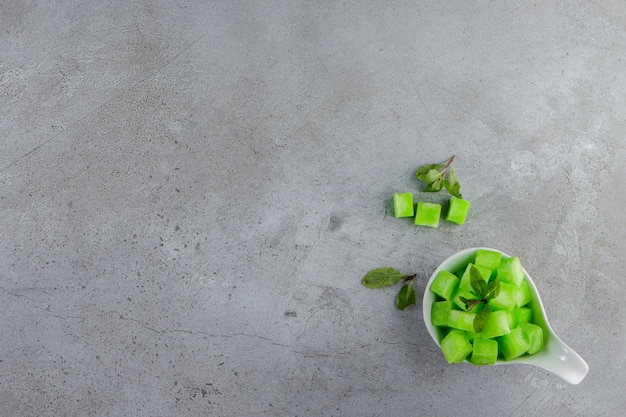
x=386, y=277
x=440, y=176
x=484, y=291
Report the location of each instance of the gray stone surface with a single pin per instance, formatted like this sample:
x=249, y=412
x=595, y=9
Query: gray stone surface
x=191, y=191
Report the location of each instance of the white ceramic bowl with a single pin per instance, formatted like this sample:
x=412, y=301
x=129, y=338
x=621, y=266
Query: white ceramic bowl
x=555, y=356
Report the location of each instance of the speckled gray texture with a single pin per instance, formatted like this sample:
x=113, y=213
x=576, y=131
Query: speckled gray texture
x=190, y=192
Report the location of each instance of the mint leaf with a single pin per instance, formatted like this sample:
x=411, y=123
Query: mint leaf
x=385, y=277
x=435, y=186
x=439, y=176
x=382, y=277
x=405, y=297
x=477, y=282
x=452, y=185
x=429, y=173
x=484, y=291
x=482, y=318
x=493, y=288
x=424, y=169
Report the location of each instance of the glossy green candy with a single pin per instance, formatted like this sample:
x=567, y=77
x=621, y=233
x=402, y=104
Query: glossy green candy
x=523, y=294
x=461, y=320
x=485, y=352
x=457, y=210
x=456, y=346
x=497, y=325
x=523, y=315
x=534, y=334
x=510, y=315
x=403, y=205
x=513, y=344
x=427, y=214
x=445, y=284
x=488, y=259
x=510, y=270
x=506, y=299
x=439, y=313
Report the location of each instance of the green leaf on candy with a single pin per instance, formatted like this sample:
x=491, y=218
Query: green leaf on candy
x=482, y=318
x=405, y=297
x=477, y=282
x=493, y=288
x=484, y=291
x=382, y=277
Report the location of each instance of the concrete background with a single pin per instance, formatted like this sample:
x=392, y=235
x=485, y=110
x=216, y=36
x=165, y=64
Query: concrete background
x=191, y=191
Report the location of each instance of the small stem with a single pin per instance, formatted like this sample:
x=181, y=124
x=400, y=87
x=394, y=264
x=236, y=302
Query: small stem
x=409, y=278
x=448, y=164
x=472, y=304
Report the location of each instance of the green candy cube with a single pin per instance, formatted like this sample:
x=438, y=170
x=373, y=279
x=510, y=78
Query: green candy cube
x=513, y=344
x=461, y=320
x=506, y=299
x=445, y=284
x=510, y=315
x=466, y=282
x=456, y=346
x=427, y=214
x=523, y=315
x=497, y=325
x=510, y=270
x=471, y=335
x=488, y=259
x=523, y=294
x=485, y=352
x=534, y=334
x=457, y=210
x=403, y=205
x=439, y=313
